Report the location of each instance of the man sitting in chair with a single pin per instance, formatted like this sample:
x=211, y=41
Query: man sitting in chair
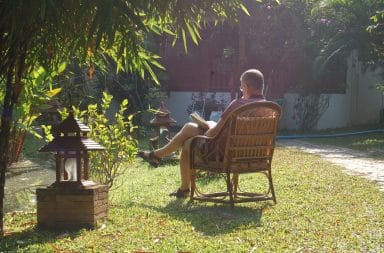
x=251, y=85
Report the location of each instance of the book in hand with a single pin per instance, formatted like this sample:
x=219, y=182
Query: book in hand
x=195, y=117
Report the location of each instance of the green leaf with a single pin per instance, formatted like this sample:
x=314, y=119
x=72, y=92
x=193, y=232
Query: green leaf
x=166, y=30
x=184, y=40
x=142, y=73
x=53, y=92
x=192, y=33
x=155, y=29
x=62, y=67
x=34, y=133
x=197, y=27
x=157, y=64
x=244, y=9
x=174, y=41
x=33, y=118
x=151, y=72
x=44, y=107
x=38, y=73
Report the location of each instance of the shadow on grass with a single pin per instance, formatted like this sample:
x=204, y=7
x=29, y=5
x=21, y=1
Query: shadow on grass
x=14, y=241
x=210, y=219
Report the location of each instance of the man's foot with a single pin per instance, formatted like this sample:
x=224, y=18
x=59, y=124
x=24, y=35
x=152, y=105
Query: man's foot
x=149, y=157
x=180, y=194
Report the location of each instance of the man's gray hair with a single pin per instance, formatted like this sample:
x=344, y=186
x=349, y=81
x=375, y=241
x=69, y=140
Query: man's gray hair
x=253, y=78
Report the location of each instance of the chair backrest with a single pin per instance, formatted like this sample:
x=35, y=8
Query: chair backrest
x=252, y=132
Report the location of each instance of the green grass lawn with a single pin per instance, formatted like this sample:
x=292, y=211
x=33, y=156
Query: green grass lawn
x=319, y=209
x=372, y=143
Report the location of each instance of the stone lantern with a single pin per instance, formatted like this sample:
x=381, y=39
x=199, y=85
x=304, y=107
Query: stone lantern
x=72, y=200
x=162, y=122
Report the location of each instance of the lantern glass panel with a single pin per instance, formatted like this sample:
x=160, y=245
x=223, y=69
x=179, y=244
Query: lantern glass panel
x=164, y=129
x=70, y=168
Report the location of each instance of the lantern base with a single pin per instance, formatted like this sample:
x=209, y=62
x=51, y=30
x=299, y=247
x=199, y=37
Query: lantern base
x=71, y=207
x=73, y=184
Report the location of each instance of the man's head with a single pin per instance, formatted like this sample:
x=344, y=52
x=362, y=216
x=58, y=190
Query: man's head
x=252, y=81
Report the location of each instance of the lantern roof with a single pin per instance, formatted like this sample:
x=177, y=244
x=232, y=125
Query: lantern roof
x=70, y=125
x=162, y=116
x=64, y=142
x=162, y=109
x=162, y=120
x=71, y=143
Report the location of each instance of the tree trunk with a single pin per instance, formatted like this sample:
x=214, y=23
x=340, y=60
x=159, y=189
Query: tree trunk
x=16, y=142
x=19, y=145
x=5, y=127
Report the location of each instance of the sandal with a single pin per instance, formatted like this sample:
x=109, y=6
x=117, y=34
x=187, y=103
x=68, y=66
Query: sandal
x=180, y=194
x=149, y=157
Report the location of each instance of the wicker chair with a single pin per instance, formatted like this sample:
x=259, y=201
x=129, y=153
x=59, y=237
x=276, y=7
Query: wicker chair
x=244, y=144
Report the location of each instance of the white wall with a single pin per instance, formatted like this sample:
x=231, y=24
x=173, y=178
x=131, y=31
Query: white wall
x=361, y=104
x=365, y=101
x=287, y=119
x=336, y=115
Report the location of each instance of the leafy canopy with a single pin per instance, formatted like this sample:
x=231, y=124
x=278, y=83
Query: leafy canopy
x=49, y=32
x=350, y=25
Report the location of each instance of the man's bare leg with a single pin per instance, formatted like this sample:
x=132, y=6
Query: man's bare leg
x=185, y=165
x=189, y=130
x=153, y=157
x=185, y=172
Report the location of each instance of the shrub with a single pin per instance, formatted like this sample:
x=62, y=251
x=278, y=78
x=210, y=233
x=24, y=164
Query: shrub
x=114, y=134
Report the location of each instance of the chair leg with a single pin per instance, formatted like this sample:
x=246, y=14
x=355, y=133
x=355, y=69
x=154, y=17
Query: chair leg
x=230, y=189
x=271, y=186
x=235, y=180
x=193, y=183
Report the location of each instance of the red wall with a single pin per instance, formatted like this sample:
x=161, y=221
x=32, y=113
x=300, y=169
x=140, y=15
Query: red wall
x=207, y=67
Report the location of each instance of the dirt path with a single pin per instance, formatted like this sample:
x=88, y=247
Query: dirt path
x=22, y=179
x=353, y=162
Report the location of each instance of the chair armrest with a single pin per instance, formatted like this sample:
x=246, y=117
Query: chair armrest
x=196, y=138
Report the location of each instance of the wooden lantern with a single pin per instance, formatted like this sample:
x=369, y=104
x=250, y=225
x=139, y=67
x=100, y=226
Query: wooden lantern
x=71, y=145
x=72, y=201
x=162, y=119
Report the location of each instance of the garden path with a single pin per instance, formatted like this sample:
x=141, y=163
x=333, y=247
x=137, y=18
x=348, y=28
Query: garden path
x=22, y=179
x=354, y=162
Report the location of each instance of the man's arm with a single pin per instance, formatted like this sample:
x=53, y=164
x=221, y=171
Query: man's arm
x=214, y=128
x=212, y=131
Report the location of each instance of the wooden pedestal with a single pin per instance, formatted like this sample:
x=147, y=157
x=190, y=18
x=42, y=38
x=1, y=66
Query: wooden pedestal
x=71, y=207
